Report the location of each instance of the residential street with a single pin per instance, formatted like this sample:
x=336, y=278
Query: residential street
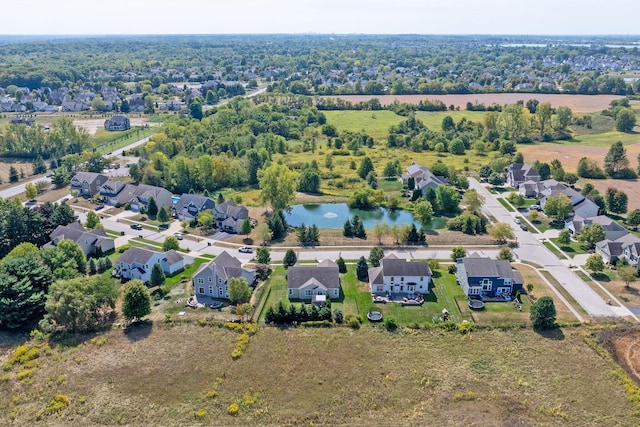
x=531, y=249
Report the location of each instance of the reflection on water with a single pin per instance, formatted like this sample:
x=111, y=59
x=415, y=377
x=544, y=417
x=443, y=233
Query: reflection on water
x=334, y=215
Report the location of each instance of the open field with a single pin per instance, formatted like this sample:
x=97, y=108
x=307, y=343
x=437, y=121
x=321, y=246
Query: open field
x=155, y=375
x=6, y=163
x=578, y=103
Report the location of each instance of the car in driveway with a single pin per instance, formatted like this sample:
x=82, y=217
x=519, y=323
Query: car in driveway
x=98, y=207
x=136, y=226
x=245, y=250
x=517, y=220
x=178, y=236
x=534, y=208
x=524, y=227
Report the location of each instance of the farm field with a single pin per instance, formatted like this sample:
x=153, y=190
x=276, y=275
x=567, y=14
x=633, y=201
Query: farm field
x=578, y=103
x=154, y=375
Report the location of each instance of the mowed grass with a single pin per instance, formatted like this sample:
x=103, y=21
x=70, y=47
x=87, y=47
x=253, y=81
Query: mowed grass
x=374, y=123
x=184, y=375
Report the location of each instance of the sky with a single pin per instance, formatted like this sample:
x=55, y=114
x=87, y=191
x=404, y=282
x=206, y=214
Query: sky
x=557, y=17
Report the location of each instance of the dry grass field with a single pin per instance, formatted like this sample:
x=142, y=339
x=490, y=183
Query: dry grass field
x=5, y=165
x=184, y=375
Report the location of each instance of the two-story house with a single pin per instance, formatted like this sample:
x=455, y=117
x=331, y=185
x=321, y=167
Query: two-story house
x=314, y=283
x=110, y=191
x=136, y=263
x=229, y=216
x=190, y=205
x=92, y=242
x=482, y=277
x=396, y=276
x=140, y=195
x=87, y=183
x=612, y=229
x=117, y=123
x=212, y=279
x=423, y=177
x=519, y=173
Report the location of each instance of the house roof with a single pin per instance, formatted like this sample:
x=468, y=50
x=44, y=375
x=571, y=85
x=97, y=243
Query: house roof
x=607, y=223
x=196, y=200
x=230, y=209
x=86, y=239
x=610, y=247
x=394, y=266
x=173, y=257
x=325, y=273
x=112, y=187
x=136, y=255
x=476, y=266
x=523, y=172
x=226, y=266
x=88, y=177
x=424, y=177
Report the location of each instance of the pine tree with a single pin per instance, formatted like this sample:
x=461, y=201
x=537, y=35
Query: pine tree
x=362, y=270
x=92, y=266
x=347, y=231
x=152, y=208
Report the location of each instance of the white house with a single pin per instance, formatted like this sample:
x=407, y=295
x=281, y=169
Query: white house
x=399, y=276
x=212, y=279
x=308, y=282
x=136, y=263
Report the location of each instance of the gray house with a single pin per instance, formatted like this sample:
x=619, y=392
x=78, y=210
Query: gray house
x=92, y=242
x=229, y=216
x=518, y=173
x=612, y=229
x=87, y=183
x=423, y=177
x=190, y=205
x=487, y=278
x=117, y=123
x=212, y=279
x=314, y=283
x=396, y=276
x=136, y=263
x=140, y=195
x=627, y=246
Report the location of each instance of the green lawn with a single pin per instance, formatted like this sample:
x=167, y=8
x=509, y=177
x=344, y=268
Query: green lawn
x=433, y=119
x=106, y=141
x=186, y=274
x=572, y=249
x=506, y=205
x=374, y=123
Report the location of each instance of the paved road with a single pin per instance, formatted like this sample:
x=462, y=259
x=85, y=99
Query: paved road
x=530, y=249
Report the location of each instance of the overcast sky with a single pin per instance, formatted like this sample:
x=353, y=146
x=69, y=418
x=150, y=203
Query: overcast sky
x=320, y=16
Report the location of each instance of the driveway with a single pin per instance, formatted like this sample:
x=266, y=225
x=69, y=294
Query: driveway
x=530, y=249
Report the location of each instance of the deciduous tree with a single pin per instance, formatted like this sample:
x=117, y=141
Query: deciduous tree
x=278, y=185
x=137, y=302
x=501, y=231
x=157, y=277
x=543, y=313
x=170, y=243
x=93, y=220
x=595, y=263
x=239, y=291
x=289, y=259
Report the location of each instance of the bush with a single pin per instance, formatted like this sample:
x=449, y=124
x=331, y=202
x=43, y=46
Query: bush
x=59, y=403
x=316, y=324
x=466, y=327
x=390, y=324
x=233, y=409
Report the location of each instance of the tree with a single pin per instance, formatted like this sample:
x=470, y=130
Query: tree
x=24, y=282
x=627, y=274
x=163, y=215
x=564, y=238
x=30, y=191
x=472, y=200
x=347, y=229
x=79, y=304
x=205, y=219
x=135, y=172
x=152, y=208
x=170, y=243
x=544, y=170
x=544, y=113
x=366, y=166
x=447, y=199
x=137, y=302
x=505, y=254
x=564, y=115
x=60, y=177
x=195, y=110
x=278, y=185
x=456, y=147
x=93, y=220
x=543, y=313
x=516, y=199
x=263, y=232
x=376, y=254
x=380, y=229
x=239, y=291
x=595, y=263
x=591, y=234
x=157, y=277
x=289, y=259
x=342, y=266
x=501, y=231
x=458, y=252
x=570, y=178
x=616, y=159
x=14, y=176
x=362, y=270
x=633, y=218
x=588, y=168
x=558, y=207
x=423, y=212
x=66, y=259
x=263, y=255
x=625, y=120
x=496, y=179
x=309, y=181
x=485, y=172
x=616, y=201
x=245, y=227
x=533, y=215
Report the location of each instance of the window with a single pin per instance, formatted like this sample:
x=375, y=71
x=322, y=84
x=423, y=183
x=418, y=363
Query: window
x=379, y=288
x=391, y=279
x=210, y=290
x=200, y=280
x=307, y=292
x=290, y=291
x=402, y=279
x=422, y=278
x=486, y=287
x=210, y=279
x=201, y=290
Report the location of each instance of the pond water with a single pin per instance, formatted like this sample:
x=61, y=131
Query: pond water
x=334, y=215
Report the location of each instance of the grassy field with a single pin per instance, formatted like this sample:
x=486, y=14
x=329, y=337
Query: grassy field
x=159, y=375
x=106, y=141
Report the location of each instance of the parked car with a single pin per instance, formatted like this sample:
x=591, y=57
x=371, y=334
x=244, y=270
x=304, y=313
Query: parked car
x=65, y=200
x=136, y=226
x=178, y=236
x=517, y=220
x=524, y=227
x=49, y=175
x=100, y=206
x=534, y=207
x=245, y=250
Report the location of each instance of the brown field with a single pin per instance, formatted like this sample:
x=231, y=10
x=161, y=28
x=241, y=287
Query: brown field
x=625, y=348
x=162, y=375
x=578, y=103
x=5, y=164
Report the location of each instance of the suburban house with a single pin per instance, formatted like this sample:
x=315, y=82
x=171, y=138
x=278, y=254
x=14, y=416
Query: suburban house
x=87, y=183
x=612, y=229
x=399, y=276
x=190, y=205
x=482, y=277
x=117, y=123
x=110, y=190
x=583, y=206
x=423, y=177
x=627, y=246
x=229, y=216
x=92, y=242
x=136, y=195
x=519, y=173
x=212, y=279
x=314, y=283
x=136, y=263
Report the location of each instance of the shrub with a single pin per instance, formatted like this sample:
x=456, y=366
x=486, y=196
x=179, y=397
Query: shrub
x=390, y=324
x=59, y=403
x=212, y=394
x=316, y=324
x=200, y=414
x=353, y=321
x=466, y=327
x=233, y=409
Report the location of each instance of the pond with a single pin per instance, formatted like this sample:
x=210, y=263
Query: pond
x=334, y=215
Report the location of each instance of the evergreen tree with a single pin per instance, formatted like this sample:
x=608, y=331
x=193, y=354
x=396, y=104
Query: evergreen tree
x=157, y=276
x=342, y=266
x=347, y=230
x=289, y=259
x=152, y=208
x=301, y=233
x=362, y=270
x=163, y=215
x=92, y=266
